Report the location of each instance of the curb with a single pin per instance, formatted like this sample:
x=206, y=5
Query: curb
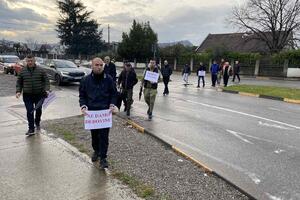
x=202, y=166
x=287, y=100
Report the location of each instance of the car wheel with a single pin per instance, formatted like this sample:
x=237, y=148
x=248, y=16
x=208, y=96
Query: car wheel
x=58, y=80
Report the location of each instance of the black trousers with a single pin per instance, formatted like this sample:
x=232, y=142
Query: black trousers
x=203, y=81
x=225, y=77
x=238, y=76
x=214, y=79
x=30, y=102
x=100, y=141
x=166, y=80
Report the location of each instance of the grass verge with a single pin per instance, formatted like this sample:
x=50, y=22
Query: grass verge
x=284, y=92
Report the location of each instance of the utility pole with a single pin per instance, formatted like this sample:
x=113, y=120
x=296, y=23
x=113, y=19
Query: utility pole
x=108, y=35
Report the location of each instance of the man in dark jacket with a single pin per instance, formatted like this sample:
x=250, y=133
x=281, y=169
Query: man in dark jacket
x=166, y=72
x=201, y=74
x=185, y=73
x=110, y=68
x=97, y=91
x=214, y=69
x=126, y=81
x=236, y=71
x=34, y=83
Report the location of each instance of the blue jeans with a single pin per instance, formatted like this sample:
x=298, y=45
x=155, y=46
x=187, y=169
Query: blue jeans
x=30, y=101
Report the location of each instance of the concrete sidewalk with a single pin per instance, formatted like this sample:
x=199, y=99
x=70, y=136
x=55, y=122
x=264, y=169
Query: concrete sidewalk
x=41, y=167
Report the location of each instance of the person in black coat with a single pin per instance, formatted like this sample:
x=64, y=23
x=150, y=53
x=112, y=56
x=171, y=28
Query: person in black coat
x=97, y=91
x=201, y=74
x=236, y=71
x=126, y=81
x=166, y=72
x=110, y=68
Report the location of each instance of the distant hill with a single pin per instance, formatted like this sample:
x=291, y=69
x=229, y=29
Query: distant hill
x=186, y=43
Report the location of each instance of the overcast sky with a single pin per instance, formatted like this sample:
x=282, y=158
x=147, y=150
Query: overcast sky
x=172, y=20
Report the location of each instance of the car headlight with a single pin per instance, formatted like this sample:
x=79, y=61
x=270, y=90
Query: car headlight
x=64, y=73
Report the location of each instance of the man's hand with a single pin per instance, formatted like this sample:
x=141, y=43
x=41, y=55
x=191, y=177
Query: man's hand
x=83, y=110
x=113, y=109
x=18, y=94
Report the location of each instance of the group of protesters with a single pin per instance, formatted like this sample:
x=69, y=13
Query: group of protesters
x=100, y=90
x=222, y=70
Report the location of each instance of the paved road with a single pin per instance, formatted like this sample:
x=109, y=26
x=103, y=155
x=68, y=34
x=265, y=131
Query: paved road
x=252, y=142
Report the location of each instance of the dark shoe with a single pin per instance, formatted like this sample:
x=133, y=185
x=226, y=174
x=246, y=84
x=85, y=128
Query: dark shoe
x=38, y=128
x=103, y=163
x=30, y=132
x=95, y=157
x=128, y=112
x=150, y=116
x=198, y=86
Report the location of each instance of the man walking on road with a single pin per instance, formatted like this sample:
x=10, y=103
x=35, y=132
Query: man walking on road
x=201, y=74
x=166, y=72
x=126, y=82
x=110, y=68
x=226, y=73
x=214, y=69
x=185, y=73
x=236, y=71
x=34, y=83
x=97, y=91
x=150, y=88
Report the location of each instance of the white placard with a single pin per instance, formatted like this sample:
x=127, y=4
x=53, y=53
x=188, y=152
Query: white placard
x=51, y=97
x=152, y=76
x=98, y=119
x=201, y=73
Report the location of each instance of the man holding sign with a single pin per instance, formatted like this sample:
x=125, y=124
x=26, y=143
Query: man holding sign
x=201, y=74
x=97, y=98
x=149, y=81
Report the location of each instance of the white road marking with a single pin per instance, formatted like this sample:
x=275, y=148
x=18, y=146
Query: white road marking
x=274, y=126
x=236, y=134
x=276, y=109
x=278, y=151
x=245, y=114
x=273, y=197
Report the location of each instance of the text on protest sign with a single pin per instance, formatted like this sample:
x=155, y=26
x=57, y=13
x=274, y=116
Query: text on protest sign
x=98, y=119
x=152, y=76
x=201, y=73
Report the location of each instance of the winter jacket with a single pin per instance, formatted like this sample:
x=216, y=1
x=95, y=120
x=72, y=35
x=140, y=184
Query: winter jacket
x=33, y=80
x=97, y=92
x=236, y=68
x=148, y=84
x=111, y=70
x=186, y=70
x=166, y=71
x=127, y=79
x=214, y=69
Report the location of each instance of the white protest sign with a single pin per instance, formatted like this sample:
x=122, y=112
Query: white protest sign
x=152, y=76
x=201, y=73
x=98, y=119
x=51, y=97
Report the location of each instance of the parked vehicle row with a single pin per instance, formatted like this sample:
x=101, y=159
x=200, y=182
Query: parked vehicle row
x=8, y=62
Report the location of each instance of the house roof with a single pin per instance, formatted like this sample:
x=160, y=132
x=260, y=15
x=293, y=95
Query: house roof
x=238, y=42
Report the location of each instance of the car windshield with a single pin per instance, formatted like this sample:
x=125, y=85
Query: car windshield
x=64, y=64
x=11, y=59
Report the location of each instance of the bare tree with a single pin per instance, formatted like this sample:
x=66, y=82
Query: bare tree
x=276, y=22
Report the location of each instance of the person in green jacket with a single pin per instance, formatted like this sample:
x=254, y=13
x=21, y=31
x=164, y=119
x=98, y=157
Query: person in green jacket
x=33, y=82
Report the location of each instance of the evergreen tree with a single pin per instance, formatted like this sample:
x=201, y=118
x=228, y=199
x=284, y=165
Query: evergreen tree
x=139, y=42
x=77, y=30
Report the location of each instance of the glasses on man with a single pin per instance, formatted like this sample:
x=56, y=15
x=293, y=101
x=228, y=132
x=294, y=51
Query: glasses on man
x=98, y=64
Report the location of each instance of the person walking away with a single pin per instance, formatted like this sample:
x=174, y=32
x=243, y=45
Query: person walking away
x=226, y=73
x=201, y=74
x=33, y=82
x=97, y=91
x=214, y=69
x=126, y=81
x=110, y=68
x=221, y=65
x=236, y=71
x=185, y=73
x=150, y=88
x=166, y=72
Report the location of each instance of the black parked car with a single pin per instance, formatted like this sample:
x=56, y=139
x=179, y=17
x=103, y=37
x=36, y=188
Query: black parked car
x=63, y=71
